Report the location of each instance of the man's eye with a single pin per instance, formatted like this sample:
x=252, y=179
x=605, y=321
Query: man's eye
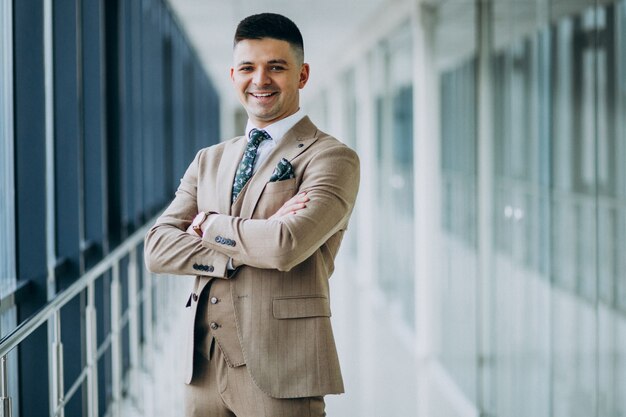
x=277, y=68
x=245, y=69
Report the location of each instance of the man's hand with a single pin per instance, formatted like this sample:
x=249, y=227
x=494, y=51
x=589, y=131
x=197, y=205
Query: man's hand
x=291, y=206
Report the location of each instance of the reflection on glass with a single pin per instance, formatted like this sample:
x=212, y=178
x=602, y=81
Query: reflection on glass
x=458, y=166
x=7, y=215
x=520, y=291
x=394, y=144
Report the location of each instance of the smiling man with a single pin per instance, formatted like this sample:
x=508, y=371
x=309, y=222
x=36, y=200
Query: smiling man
x=258, y=220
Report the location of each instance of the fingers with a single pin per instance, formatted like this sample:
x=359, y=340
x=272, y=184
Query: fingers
x=297, y=202
x=293, y=205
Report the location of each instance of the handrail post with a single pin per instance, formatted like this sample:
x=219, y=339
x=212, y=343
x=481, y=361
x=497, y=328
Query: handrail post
x=133, y=324
x=116, y=341
x=92, y=352
x=6, y=408
x=148, y=327
x=57, y=389
x=147, y=354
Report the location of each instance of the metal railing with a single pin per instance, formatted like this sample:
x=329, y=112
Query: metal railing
x=50, y=315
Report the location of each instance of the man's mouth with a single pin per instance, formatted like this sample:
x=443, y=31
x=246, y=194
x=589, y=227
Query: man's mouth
x=263, y=95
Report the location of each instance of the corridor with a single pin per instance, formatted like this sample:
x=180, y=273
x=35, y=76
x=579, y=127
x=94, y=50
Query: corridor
x=482, y=273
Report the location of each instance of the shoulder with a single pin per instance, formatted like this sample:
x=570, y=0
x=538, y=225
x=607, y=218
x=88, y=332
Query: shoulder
x=325, y=143
x=217, y=150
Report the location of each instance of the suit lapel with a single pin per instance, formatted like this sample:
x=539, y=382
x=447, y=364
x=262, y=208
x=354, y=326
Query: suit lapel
x=296, y=141
x=233, y=152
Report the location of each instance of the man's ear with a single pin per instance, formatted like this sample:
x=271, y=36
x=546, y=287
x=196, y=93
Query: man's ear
x=304, y=75
x=232, y=74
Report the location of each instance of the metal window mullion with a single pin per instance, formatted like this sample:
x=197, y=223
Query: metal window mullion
x=81, y=136
x=6, y=138
x=49, y=131
x=55, y=356
x=7, y=222
x=103, y=128
x=87, y=308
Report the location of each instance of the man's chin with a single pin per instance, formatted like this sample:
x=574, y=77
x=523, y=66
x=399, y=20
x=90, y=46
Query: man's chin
x=265, y=118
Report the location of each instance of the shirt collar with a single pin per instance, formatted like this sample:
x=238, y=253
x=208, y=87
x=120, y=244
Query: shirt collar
x=278, y=129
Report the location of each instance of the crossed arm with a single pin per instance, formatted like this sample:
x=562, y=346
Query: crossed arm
x=303, y=224
x=291, y=206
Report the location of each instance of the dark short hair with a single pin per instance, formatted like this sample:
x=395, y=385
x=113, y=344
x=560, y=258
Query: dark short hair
x=271, y=25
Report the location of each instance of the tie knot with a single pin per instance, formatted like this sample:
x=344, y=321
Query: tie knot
x=257, y=136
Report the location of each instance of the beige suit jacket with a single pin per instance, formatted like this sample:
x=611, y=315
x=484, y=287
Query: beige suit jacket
x=280, y=291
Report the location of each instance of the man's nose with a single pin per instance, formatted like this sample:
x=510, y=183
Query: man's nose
x=261, y=77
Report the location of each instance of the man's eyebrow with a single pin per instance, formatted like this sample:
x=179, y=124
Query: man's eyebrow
x=270, y=62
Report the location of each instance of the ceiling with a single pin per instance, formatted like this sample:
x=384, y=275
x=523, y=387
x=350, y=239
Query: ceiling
x=328, y=26
x=325, y=26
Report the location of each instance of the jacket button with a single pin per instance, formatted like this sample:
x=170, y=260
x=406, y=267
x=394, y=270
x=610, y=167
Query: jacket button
x=218, y=239
x=194, y=296
x=214, y=300
x=214, y=326
x=211, y=269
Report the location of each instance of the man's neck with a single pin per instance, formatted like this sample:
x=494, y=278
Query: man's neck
x=278, y=128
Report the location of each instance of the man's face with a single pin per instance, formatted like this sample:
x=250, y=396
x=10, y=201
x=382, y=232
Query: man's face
x=267, y=77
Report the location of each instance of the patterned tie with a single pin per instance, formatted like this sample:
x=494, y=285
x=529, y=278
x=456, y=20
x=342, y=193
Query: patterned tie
x=244, y=172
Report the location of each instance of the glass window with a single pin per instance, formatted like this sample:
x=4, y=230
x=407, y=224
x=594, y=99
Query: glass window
x=93, y=129
x=457, y=126
x=394, y=141
x=519, y=380
x=66, y=143
x=611, y=160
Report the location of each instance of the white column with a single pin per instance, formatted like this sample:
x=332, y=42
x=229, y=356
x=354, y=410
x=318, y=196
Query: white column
x=427, y=190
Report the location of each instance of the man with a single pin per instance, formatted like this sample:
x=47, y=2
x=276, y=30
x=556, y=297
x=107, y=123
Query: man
x=259, y=219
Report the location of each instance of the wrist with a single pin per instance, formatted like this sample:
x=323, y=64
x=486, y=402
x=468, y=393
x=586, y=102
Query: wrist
x=198, y=223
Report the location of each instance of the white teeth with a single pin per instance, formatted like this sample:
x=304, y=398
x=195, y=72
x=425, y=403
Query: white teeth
x=263, y=95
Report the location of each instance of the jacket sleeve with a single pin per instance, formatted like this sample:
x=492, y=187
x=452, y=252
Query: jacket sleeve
x=168, y=248
x=331, y=179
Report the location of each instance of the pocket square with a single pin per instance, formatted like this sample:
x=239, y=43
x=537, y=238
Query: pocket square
x=283, y=171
